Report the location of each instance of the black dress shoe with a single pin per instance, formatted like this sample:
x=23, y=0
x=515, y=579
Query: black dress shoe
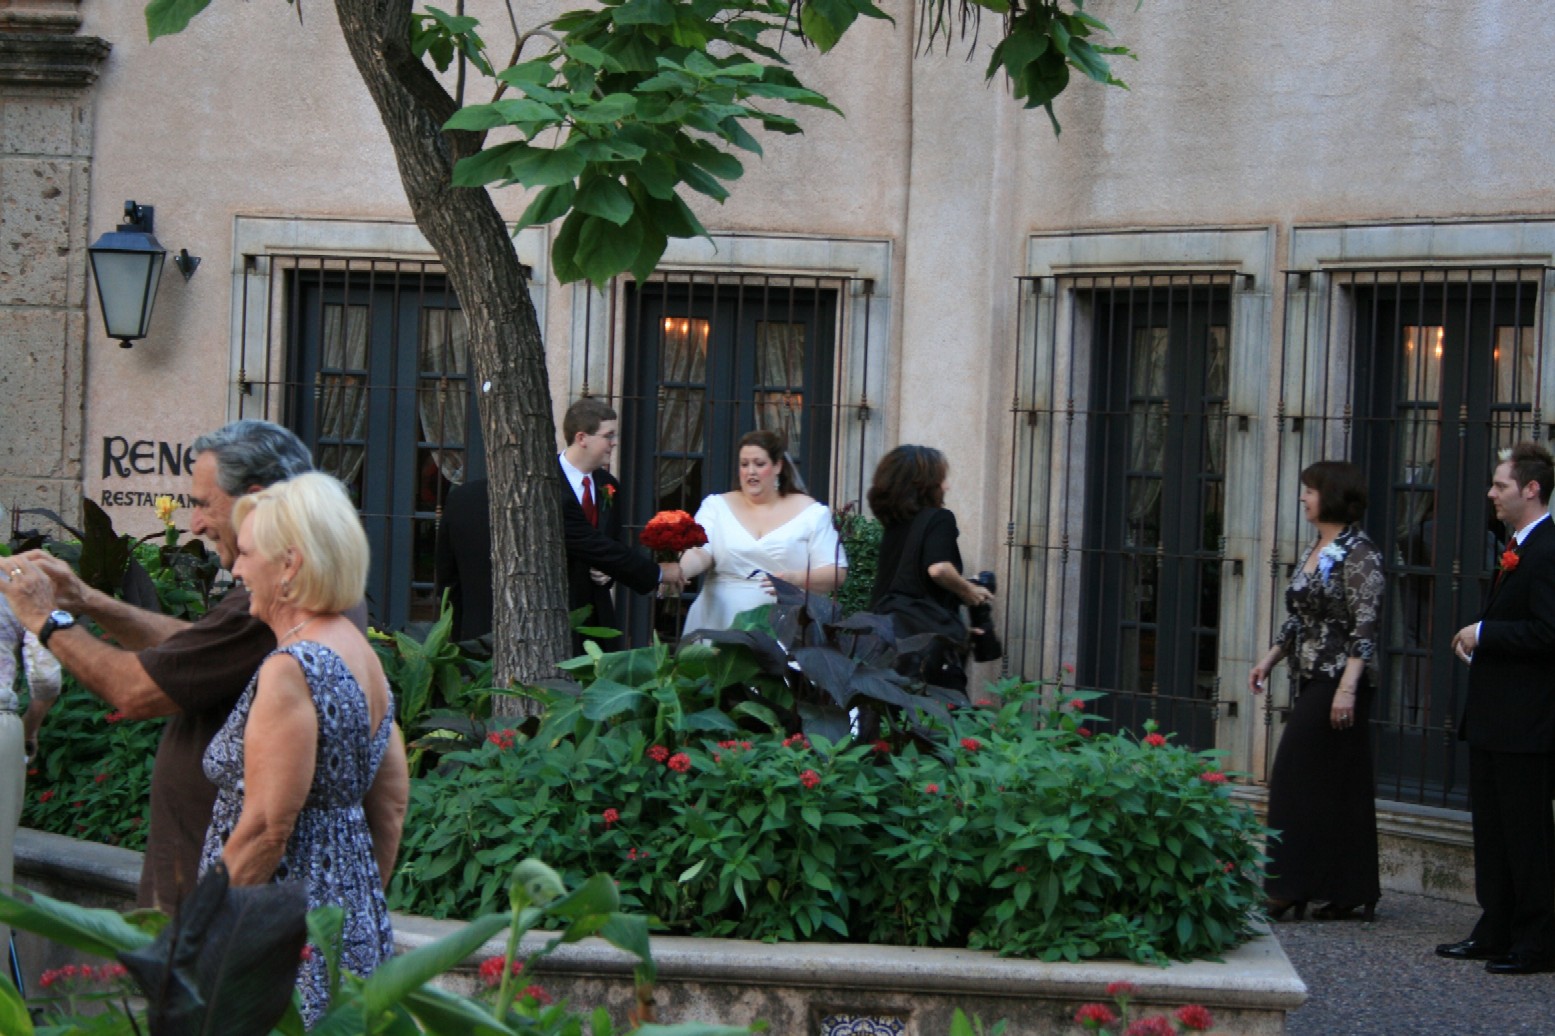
x=1521, y=964
x=1468, y=949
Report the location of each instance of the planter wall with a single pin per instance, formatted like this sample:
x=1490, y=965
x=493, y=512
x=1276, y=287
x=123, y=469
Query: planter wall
x=822, y=989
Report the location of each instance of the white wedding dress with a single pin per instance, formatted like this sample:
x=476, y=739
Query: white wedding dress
x=740, y=561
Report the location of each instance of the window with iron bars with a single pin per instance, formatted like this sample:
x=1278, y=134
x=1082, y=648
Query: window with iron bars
x=1419, y=375
x=1116, y=533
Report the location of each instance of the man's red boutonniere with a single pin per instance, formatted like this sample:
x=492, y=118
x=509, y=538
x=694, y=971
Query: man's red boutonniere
x=1508, y=561
x=610, y=497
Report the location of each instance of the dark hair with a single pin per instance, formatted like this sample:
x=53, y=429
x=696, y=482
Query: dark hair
x=1531, y=462
x=586, y=415
x=253, y=453
x=907, y=480
x=774, y=443
x=1341, y=490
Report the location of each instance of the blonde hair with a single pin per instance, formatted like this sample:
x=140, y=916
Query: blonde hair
x=313, y=515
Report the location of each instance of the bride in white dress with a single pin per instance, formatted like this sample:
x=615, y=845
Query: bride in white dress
x=764, y=528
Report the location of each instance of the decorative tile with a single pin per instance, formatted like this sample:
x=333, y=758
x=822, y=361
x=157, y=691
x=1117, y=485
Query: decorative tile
x=863, y=1025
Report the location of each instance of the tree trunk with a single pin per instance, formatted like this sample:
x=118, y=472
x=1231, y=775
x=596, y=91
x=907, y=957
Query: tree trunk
x=506, y=352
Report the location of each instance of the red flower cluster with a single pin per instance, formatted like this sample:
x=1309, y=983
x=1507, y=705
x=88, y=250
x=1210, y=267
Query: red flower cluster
x=636, y=854
x=746, y=745
x=115, y=716
x=610, y=816
x=1212, y=777
x=99, y=778
x=491, y=970
x=1077, y=704
x=971, y=744
x=82, y=973
x=672, y=531
x=797, y=741
x=1121, y=989
x=1155, y=740
x=985, y=703
x=45, y=796
x=1083, y=732
x=658, y=753
x=503, y=738
x=307, y=953
x=809, y=778
x=1151, y=1025
x=932, y=789
x=1195, y=1018
x=680, y=762
x=1094, y=1016
x=883, y=746
x=535, y=993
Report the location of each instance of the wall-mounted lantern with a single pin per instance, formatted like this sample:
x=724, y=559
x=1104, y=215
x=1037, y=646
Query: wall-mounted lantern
x=127, y=265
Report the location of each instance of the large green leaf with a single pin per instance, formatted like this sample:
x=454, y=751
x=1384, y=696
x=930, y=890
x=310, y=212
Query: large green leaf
x=543, y=167
x=102, y=933
x=605, y=249
x=444, y=1014
x=488, y=166
x=168, y=17
x=551, y=203
x=398, y=976
x=606, y=698
x=603, y=196
x=14, y=1019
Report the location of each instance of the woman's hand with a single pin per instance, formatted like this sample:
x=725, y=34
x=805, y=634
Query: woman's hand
x=1341, y=714
x=1258, y=678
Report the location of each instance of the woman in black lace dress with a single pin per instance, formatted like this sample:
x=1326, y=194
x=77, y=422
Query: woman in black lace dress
x=1320, y=791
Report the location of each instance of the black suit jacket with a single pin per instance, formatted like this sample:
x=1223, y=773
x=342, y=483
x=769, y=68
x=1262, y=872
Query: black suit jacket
x=1511, y=699
x=601, y=548
x=464, y=558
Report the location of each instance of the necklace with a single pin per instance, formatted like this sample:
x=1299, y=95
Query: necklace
x=289, y=634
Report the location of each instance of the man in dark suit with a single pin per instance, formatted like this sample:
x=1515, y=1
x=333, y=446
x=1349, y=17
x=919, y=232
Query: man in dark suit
x=464, y=558
x=1509, y=723
x=591, y=519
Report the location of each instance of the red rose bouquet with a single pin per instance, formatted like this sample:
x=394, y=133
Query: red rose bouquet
x=670, y=532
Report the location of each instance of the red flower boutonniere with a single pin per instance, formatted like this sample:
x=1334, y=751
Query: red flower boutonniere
x=609, y=497
x=1508, y=563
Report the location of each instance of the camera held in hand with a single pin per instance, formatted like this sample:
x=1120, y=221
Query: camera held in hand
x=985, y=645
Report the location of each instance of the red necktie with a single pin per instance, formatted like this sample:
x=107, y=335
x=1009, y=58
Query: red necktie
x=589, y=510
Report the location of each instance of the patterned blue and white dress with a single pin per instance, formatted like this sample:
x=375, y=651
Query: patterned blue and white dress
x=330, y=848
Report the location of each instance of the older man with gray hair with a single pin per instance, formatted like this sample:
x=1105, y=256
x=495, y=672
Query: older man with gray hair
x=191, y=673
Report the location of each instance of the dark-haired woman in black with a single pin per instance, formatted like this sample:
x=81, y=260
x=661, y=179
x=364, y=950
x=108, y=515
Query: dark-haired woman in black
x=1320, y=791
x=919, y=556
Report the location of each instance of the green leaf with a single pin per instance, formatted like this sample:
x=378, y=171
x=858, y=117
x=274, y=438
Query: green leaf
x=606, y=698
x=398, y=976
x=551, y=203
x=644, y=12
x=511, y=111
x=609, y=108
x=442, y=1012
x=488, y=165
x=169, y=17
x=603, y=196
x=96, y=931
x=543, y=167
x=14, y=1018
x=605, y=249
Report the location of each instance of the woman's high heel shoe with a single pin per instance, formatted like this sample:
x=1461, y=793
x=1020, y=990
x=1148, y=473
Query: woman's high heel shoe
x=1346, y=912
x=1278, y=908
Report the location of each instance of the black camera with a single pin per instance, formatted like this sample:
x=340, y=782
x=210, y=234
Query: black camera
x=985, y=645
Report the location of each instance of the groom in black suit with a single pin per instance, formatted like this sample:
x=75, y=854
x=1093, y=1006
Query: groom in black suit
x=1509, y=723
x=591, y=520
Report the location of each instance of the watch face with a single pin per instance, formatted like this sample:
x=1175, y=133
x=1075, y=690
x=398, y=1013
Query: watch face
x=62, y=619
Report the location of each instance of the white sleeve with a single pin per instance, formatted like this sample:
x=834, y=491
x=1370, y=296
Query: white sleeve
x=825, y=547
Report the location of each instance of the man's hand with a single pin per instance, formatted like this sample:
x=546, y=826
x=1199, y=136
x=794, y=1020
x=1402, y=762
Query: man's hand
x=599, y=578
x=70, y=592
x=28, y=591
x=1465, y=641
x=671, y=580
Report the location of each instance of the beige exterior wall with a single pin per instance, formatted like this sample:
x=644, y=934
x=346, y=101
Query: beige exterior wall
x=1240, y=114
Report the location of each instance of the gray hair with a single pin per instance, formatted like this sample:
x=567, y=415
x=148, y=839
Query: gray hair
x=254, y=453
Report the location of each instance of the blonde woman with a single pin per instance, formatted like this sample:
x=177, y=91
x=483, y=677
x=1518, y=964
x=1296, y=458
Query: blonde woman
x=310, y=769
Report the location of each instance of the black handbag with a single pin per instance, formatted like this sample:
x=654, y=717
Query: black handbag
x=939, y=659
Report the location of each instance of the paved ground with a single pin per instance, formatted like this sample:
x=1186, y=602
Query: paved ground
x=1383, y=978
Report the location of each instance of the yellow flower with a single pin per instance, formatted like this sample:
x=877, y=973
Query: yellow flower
x=165, y=506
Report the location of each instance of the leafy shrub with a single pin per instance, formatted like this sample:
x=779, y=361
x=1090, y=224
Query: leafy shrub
x=861, y=540
x=1037, y=839
x=91, y=778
